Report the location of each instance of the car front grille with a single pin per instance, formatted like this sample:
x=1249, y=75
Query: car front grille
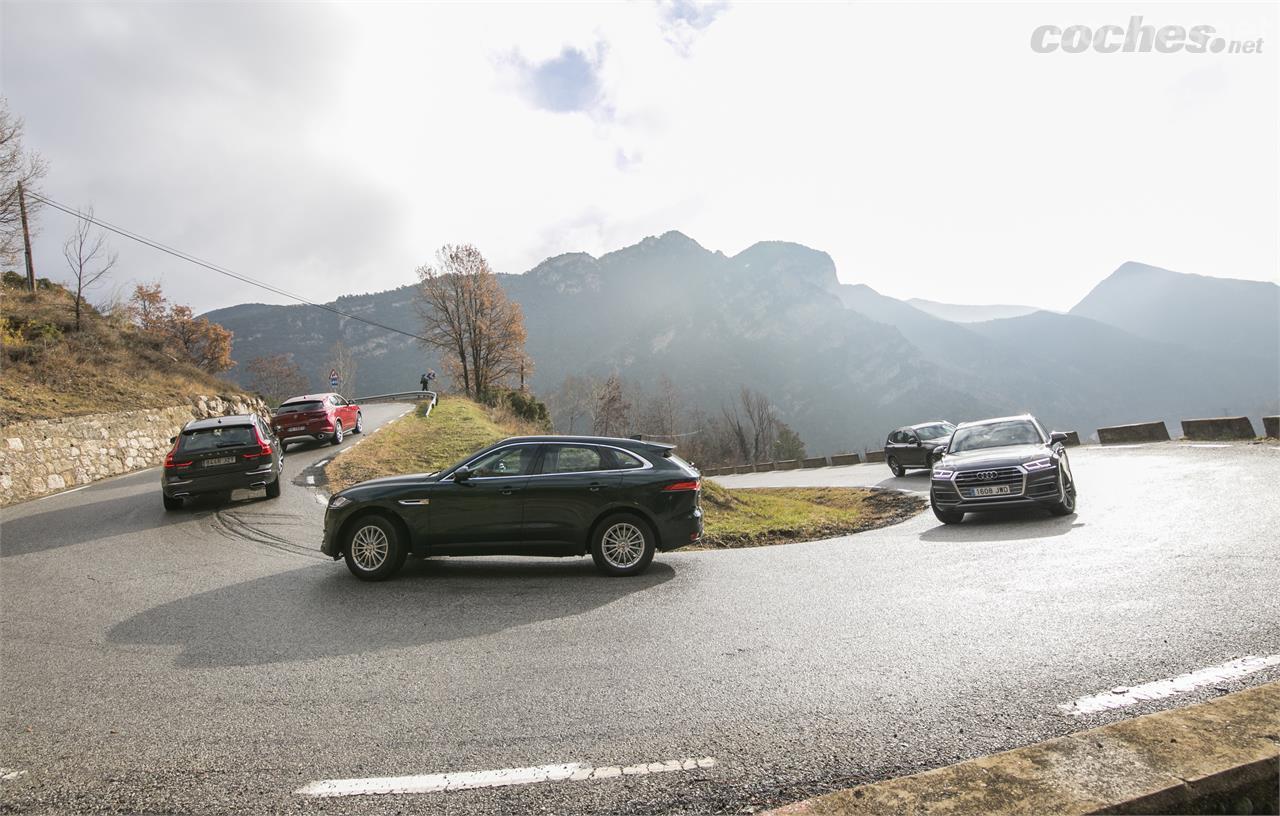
x=1011, y=477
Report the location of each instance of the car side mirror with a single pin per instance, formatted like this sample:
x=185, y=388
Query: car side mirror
x=173, y=439
x=939, y=452
x=1056, y=437
x=462, y=474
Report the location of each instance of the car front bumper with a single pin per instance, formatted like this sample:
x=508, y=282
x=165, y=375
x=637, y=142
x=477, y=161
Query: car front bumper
x=1040, y=489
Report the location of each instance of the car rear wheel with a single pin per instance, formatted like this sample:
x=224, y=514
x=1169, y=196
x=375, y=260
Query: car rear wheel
x=898, y=470
x=273, y=489
x=337, y=432
x=947, y=516
x=373, y=549
x=172, y=503
x=623, y=545
x=359, y=428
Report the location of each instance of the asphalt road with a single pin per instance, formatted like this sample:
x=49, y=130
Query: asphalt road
x=210, y=662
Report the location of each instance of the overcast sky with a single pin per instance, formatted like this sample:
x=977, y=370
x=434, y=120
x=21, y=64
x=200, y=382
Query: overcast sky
x=331, y=148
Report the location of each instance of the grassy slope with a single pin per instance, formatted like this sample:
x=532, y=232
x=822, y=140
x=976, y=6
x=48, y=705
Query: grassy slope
x=734, y=518
x=416, y=444
x=51, y=371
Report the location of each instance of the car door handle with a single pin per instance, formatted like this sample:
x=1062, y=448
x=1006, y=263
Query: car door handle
x=594, y=487
x=507, y=491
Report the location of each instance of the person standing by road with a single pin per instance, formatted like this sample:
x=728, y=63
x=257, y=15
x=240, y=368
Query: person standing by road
x=424, y=382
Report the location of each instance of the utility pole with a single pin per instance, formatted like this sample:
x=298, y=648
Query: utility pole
x=26, y=239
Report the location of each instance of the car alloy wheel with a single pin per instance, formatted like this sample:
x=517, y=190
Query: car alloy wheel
x=359, y=423
x=369, y=547
x=622, y=545
x=898, y=470
x=337, y=433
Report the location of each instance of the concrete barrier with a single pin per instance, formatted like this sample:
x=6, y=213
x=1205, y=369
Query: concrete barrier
x=845, y=459
x=787, y=464
x=1072, y=440
x=1141, y=432
x=1271, y=426
x=873, y=456
x=710, y=471
x=1204, y=758
x=814, y=462
x=744, y=469
x=1218, y=428
x=765, y=467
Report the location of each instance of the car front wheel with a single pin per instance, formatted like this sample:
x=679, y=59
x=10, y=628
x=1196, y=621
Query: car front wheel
x=623, y=545
x=947, y=516
x=1068, y=504
x=373, y=549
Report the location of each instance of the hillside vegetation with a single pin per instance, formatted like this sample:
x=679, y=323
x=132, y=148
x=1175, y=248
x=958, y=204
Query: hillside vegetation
x=51, y=371
x=734, y=518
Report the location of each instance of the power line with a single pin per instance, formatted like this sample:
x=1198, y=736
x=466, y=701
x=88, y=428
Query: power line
x=177, y=253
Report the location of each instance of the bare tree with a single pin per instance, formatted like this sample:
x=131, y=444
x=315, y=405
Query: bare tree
x=88, y=257
x=660, y=414
x=276, y=377
x=753, y=425
x=17, y=166
x=610, y=409
x=572, y=402
x=343, y=361
x=467, y=315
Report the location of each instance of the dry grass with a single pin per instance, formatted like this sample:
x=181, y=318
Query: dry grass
x=758, y=517
x=416, y=444
x=51, y=370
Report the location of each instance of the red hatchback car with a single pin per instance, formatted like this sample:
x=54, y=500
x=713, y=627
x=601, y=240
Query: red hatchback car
x=316, y=416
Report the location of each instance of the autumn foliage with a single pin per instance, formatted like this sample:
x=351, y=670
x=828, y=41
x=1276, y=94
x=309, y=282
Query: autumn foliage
x=197, y=340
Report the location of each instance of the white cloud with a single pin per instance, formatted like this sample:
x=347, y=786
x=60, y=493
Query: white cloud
x=926, y=148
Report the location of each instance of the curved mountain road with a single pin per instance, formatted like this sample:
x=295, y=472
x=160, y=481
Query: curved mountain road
x=208, y=662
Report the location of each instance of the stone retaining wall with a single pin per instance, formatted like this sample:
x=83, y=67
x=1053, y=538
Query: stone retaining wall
x=47, y=455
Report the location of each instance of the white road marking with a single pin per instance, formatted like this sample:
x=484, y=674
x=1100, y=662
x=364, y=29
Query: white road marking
x=320, y=500
x=8, y=774
x=1203, y=445
x=311, y=480
x=322, y=463
x=1123, y=696
x=436, y=783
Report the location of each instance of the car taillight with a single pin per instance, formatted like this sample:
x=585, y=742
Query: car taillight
x=169, y=463
x=264, y=448
x=680, y=487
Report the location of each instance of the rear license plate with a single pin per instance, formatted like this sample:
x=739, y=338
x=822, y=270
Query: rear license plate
x=221, y=460
x=994, y=490
x=297, y=427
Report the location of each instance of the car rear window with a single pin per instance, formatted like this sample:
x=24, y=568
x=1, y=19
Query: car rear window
x=299, y=407
x=222, y=436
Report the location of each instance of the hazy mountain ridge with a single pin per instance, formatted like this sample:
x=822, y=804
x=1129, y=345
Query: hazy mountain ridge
x=842, y=363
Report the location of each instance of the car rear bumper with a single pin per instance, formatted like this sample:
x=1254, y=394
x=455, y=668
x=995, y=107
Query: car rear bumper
x=680, y=531
x=180, y=485
x=315, y=429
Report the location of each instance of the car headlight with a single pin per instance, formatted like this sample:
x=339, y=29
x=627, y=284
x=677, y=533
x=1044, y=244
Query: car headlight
x=1039, y=464
x=943, y=473
x=338, y=501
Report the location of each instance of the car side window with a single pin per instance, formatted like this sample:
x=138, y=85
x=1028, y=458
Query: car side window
x=573, y=459
x=517, y=461
x=623, y=460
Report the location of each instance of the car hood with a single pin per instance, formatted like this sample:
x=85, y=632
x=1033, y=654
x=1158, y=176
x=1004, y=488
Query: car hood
x=994, y=457
x=389, y=483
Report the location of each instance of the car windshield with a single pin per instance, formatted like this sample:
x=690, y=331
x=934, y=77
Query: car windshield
x=299, y=407
x=995, y=435
x=936, y=431
x=225, y=436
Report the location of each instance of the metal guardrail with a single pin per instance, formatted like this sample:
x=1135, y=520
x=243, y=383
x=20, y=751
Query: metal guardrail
x=399, y=396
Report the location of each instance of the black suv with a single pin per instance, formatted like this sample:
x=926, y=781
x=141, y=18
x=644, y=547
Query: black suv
x=913, y=446
x=216, y=456
x=1002, y=464
x=619, y=499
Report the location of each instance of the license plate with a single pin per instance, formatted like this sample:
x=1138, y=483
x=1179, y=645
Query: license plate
x=297, y=427
x=221, y=460
x=994, y=490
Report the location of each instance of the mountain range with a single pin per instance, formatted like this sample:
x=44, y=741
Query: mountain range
x=842, y=363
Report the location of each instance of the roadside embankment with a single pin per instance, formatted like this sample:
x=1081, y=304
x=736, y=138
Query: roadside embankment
x=43, y=456
x=1215, y=757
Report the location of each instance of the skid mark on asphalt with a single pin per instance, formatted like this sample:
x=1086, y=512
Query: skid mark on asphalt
x=1123, y=696
x=438, y=783
x=256, y=528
